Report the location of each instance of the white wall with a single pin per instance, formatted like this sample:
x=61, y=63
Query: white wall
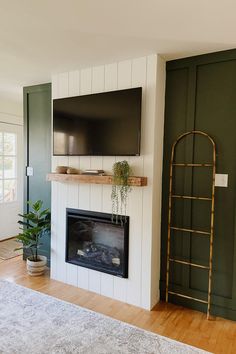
x=11, y=111
x=11, y=120
x=142, y=286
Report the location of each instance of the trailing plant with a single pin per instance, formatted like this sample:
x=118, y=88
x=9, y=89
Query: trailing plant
x=120, y=189
x=33, y=225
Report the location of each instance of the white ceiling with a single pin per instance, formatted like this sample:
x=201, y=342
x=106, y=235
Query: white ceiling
x=42, y=37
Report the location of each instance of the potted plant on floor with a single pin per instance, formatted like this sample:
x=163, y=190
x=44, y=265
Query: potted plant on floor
x=120, y=189
x=34, y=225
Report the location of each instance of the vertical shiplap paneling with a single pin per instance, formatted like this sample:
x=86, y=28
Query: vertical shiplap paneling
x=148, y=138
x=108, y=162
x=83, y=278
x=98, y=73
x=86, y=81
x=123, y=75
x=111, y=84
x=107, y=285
x=135, y=204
x=74, y=83
x=74, y=161
x=54, y=163
x=63, y=85
x=94, y=281
x=85, y=163
x=97, y=161
x=137, y=288
x=72, y=188
x=54, y=221
x=84, y=189
x=134, y=282
x=61, y=219
x=96, y=189
x=72, y=202
x=139, y=76
x=63, y=91
x=111, y=77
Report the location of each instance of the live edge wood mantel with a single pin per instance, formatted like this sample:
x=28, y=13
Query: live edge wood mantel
x=76, y=178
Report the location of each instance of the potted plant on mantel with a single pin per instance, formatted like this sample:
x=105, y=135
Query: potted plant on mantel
x=120, y=189
x=34, y=225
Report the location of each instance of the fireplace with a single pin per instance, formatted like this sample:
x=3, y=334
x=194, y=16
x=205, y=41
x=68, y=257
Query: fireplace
x=94, y=241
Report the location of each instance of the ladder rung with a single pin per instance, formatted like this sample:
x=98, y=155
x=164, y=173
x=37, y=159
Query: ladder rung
x=190, y=230
x=187, y=297
x=193, y=164
x=188, y=197
x=188, y=263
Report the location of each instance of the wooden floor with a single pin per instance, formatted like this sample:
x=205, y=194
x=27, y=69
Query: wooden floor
x=184, y=325
x=7, y=248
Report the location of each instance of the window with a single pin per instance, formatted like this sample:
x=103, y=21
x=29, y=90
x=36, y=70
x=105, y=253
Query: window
x=8, y=174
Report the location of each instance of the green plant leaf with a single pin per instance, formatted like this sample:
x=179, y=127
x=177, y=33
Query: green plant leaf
x=24, y=223
x=120, y=189
x=37, y=205
x=34, y=225
x=45, y=213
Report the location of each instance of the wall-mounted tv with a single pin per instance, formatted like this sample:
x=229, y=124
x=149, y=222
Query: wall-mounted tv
x=102, y=124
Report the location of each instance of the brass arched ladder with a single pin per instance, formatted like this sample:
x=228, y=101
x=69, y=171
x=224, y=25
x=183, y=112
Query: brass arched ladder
x=171, y=227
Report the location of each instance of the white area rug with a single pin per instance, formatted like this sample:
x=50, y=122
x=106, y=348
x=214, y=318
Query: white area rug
x=31, y=322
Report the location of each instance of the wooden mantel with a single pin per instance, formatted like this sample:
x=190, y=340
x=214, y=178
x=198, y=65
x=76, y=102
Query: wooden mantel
x=76, y=178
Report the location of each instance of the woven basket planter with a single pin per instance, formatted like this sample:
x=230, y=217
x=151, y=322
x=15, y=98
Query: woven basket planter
x=36, y=268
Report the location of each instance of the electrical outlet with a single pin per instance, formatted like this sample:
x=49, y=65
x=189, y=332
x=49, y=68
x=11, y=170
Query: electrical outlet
x=221, y=180
x=29, y=171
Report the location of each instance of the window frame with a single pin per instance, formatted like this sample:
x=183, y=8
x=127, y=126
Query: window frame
x=3, y=179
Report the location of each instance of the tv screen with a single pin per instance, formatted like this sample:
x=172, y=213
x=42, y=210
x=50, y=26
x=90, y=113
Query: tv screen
x=102, y=124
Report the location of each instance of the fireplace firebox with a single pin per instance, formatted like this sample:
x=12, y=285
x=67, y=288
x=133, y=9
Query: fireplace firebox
x=94, y=241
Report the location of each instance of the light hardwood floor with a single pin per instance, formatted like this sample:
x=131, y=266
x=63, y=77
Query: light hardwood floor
x=191, y=327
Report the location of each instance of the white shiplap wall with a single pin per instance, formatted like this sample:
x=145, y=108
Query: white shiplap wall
x=138, y=288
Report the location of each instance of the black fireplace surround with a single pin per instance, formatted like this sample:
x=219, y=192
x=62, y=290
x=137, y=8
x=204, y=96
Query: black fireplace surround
x=94, y=241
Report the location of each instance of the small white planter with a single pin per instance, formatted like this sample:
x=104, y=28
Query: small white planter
x=36, y=268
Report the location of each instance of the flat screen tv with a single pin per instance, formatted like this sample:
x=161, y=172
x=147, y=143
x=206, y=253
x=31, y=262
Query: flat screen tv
x=102, y=124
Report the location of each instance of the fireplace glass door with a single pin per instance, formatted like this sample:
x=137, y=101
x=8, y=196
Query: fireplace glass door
x=95, y=242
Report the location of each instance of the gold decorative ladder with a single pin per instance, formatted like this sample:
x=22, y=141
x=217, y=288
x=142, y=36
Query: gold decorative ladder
x=197, y=232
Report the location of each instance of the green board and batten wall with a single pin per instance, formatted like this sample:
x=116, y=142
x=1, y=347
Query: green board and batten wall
x=37, y=139
x=201, y=95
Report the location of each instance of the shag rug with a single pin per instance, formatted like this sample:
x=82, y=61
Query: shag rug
x=33, y=323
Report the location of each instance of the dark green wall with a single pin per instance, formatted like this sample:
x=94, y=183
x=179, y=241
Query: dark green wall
x=37, y=139
x=201, y=95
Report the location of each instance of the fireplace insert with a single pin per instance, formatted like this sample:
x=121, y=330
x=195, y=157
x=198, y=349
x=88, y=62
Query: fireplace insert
x=94, y=241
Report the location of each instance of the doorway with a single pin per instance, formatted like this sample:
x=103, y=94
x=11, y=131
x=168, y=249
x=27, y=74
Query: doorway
x=11, y=179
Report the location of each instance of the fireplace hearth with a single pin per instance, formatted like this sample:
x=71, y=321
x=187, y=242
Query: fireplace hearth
x=94, y=241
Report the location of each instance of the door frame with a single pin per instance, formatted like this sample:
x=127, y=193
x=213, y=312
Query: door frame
x=17, y=129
